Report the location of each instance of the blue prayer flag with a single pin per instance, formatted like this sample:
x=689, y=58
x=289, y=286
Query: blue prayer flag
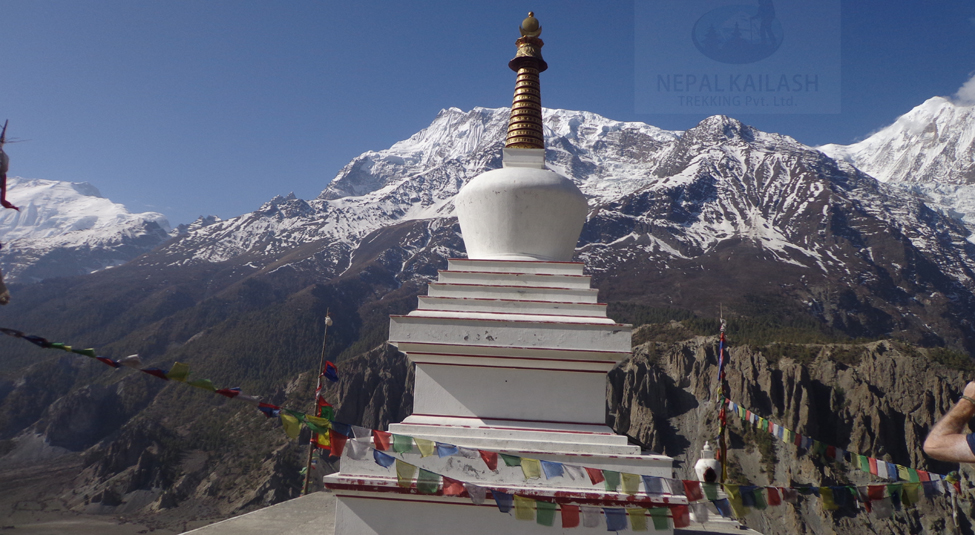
x=446, y=450
x=344, y=429
x=504, y=500
x=723, y=506
x=552, y=469
x=331, y=372
x=383, y=459
x=655, y=485
x=615, y=518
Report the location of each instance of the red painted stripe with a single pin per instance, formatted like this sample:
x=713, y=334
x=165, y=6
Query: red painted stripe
x=512, y=321
x=511, y=300
x=522, y=347
x=514, y=261
x=507, y=313
x=589, y=290
x=588, y=498
x=512, y=367
x=501, y=428
x=509, y=358
x=515, y=273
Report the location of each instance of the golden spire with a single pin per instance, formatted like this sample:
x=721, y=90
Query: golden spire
x=525, y=125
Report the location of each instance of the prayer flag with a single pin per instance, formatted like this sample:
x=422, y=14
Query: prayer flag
x=476, y=493
x=826, y=494
x=923, y=476
x=710, y=490
x=446, y=450
x=841, y=496
x=573, y=471
x=37, y=340
x=110, y=362
x=700, y=511
x=760, y=502
x=723, y=506
x=337, y=441
x=595, y=475
x=894, y=492
x=510, y=460
x=552, y=469
x=249, y=399
x=404, y=474
x=790, y=495
x=402, y=443
x=179, y=372
x=361, y=432
x=323, y=441
x=676, y=486
x=682, y=517
x=503, y=500
x=524, y=508
x=383, y=459
x=452, y=487
x=831, y=453
x=532, y=468
x=631, y=483
x=612, y=480
x=692, y=489
x=773, y=497
x=315, y=423
x=381, y=439
x=892, y=471
x=873, y=467
x=615, y=518
x=883, y=508
x=590, y=516
x=131, y=361
x=156, y=372
x=358, y=449
x=490, y=459
x=654, y=485
x=659, y=516
x=268, y=409
x=570, y=516
x=638, y=518
x=881, y=469
x=331, y=372
x=345, y=429
x=545, y=513
x=292, y=427
x=913, y=476
x=747, y=495
x=735, y=500
x=902, y=473
x=426, y=447
x=204, y=384
x=911, y=494
x=229, y=392
x=929, y=489
x=427, y=482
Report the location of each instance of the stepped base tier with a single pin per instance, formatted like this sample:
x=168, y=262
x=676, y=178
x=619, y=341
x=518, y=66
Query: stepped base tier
x=511, y=356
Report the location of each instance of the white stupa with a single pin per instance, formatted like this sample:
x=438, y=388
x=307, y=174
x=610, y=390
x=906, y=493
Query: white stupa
x=511, y=348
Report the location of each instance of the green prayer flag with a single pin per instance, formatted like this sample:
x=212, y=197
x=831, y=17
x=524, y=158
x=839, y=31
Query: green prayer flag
x=402, y=443
x=760, y=502
x=205, y=384
x=524, y=508
x=291, y=425
x=638, y=518
x=710, y=490
x=510, y=460
x=631, y=483
x=864, y=463
x=62, y=347
x=612, y=480
x=913, y=477
x=660, y=516
x=404, y=474
x=317, y=424
x=179, y=372
x=545, y=512
x=86, y=352
x=327, y=412
x=427, y=482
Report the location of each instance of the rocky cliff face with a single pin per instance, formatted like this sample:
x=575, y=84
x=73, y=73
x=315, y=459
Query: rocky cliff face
x=877, y=399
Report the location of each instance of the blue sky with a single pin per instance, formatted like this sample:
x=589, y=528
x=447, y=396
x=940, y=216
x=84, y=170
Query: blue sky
x=193, y=108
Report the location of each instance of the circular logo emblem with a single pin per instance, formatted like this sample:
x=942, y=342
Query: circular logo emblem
x=738, y=33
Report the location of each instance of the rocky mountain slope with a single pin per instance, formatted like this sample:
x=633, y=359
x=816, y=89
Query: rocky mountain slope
x=65, y=229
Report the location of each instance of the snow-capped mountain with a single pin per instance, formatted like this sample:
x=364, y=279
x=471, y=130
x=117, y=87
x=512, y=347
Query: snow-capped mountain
x=66, y=228
x=929, y=150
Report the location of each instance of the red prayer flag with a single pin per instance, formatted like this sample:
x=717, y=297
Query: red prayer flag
x=831, y=452
x=798, y=440
x=452, y=487
x=490, y=459
x=380, y=439
x=873, y=465
x=876, y=492
x=338, y=442
x=570, y=516
x=692, y=489
x=923, y=476
x=682, y=516
x=773, y=496
x=595, y=475
x=229, y=392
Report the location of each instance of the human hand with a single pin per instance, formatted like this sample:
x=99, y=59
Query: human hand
x=969, y=389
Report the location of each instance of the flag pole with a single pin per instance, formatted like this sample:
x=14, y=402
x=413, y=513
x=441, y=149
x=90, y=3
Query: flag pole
x=723, y=403
x=313, y=442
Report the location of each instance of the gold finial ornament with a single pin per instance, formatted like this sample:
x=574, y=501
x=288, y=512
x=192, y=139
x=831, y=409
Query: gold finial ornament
x=530, y=27
x=525, y=125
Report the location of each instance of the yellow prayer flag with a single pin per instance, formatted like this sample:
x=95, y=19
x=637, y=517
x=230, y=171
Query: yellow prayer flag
x=734, y=498
x=291, y=425
x=829, y=503
x=426, y=447
x=404, y=474
x=637, y=515
x=179, y=372
x=903, y=473
x=205, y=384
x=320, y=422
x=631, y=483
x=324, y=440
x=524, y=507
x=532, y=468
